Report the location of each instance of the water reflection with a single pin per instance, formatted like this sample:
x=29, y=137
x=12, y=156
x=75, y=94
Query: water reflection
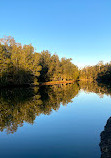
x=17, y=106
x=105, y=144
x=53, y=96
x=101, y=89
x=23, y=105
x=95, y=87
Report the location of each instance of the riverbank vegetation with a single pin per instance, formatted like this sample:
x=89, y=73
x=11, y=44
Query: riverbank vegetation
x=21, y=65
x=100, y=73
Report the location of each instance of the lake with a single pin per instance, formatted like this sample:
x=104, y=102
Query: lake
x=55, y=121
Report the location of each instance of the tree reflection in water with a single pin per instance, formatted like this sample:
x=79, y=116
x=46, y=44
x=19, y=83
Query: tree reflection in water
x=16, y=106
x=101, y=89
x=95, y=87
x=21, y=105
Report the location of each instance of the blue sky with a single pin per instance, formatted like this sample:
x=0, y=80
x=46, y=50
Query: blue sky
x=77, y=29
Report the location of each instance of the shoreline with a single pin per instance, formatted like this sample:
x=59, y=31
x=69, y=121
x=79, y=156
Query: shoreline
x=56, y=82
x=40, y=84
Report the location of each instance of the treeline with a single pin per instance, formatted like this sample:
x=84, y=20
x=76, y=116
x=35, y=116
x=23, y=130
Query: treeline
x=21, y=65
x=100, y=72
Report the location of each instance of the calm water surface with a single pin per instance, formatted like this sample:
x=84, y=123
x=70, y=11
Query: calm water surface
x=52, y=122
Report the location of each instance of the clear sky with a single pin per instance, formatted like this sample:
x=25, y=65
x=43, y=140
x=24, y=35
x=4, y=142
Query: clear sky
x=77, y=29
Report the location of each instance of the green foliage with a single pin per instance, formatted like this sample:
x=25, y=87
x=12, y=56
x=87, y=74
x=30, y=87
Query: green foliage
x=69, y=70
x=21, y=65
x=100, y=72
x=54, y=69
